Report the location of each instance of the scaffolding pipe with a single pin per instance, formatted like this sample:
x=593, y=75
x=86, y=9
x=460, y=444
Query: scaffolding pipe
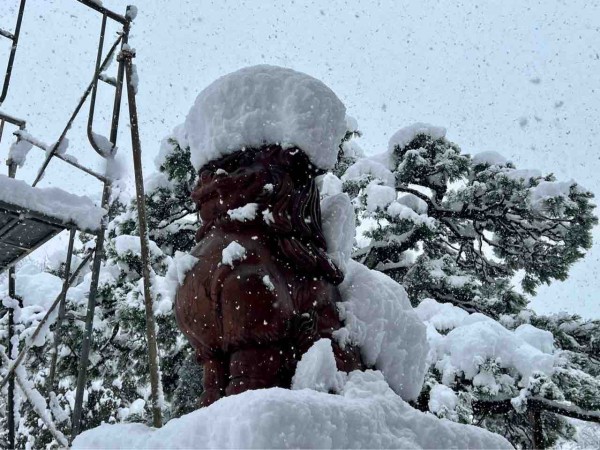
x=61, y=311
x=12, y=293
x=156, y=391
x=107, y=12
x=118, y=84
x=86, y=345
x=11, y=119
x=10, y=404
x=14, y=37
x=89, y=321
x=65, y=157
x=117, y=101
x=54, y=147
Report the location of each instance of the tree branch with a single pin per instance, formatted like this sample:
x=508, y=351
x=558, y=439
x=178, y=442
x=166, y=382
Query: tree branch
x=504, y=406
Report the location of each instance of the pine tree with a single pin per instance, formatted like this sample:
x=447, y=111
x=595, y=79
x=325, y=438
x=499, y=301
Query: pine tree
x=459, y=229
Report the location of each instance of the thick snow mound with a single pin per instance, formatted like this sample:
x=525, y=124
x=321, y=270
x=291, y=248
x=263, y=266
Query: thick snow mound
x=368, y=167
x=17, y=153
x=442, y=398
x=126, y=243
x=443, y=316
x=543, y=340
x=378, y=197
x=37, y=288
x=165, y=288
x=461, y=342
x=379, y=319
x=550, y=189
x=413, y=202
x=317, y=369
x=381, y=165
x=403, y=136
x=53, y=202
x=490, y=158
x=169, y=143
x=339, y=228
x=266, y=105
x=368, y=414
x=232, y=253
x=328, y=184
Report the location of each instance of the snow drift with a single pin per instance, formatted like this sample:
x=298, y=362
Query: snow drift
x=378, y=317
x=367, y=414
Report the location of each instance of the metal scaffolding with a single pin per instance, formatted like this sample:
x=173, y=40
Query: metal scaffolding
x=18, y=225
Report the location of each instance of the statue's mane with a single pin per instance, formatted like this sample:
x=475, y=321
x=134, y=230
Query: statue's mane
x=294, y=203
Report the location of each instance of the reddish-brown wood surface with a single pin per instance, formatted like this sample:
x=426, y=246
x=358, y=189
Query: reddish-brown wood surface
x=247, y=333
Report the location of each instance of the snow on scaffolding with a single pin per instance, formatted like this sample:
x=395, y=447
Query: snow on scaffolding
x=52, y=202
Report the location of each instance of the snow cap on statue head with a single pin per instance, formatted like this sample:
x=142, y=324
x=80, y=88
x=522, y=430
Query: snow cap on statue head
x=261, y=105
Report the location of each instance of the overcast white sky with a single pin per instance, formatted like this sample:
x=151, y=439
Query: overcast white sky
x=520, y=78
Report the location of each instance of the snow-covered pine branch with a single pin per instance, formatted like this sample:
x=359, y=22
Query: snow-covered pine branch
x=472, y=222
x=458, y=228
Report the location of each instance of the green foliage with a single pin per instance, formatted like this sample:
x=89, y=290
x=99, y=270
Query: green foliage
x=475, y=226
x=459, y=229
x=118, y=386
x=189, y=386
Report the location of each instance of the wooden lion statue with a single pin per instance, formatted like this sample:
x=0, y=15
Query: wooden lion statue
x=263, y=289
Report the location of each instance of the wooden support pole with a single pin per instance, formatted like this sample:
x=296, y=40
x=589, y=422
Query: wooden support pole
x=127, y=56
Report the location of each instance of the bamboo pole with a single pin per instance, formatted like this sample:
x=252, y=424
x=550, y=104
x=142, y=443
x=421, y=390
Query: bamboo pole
x=127, y=56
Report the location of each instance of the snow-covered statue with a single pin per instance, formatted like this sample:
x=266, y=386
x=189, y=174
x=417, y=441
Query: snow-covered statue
x=264, y=288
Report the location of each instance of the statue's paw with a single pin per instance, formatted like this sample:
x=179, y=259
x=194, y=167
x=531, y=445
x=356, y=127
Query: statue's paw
x=208, y=397
x=239, y=385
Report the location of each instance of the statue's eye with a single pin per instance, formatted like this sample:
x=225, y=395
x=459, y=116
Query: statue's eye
x=205, y=176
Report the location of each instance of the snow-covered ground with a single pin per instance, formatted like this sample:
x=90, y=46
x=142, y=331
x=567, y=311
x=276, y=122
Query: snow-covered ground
x=367, y=414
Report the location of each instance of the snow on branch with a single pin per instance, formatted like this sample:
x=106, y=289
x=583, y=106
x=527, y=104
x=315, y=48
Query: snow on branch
x=568, y=410
x=36, y=399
